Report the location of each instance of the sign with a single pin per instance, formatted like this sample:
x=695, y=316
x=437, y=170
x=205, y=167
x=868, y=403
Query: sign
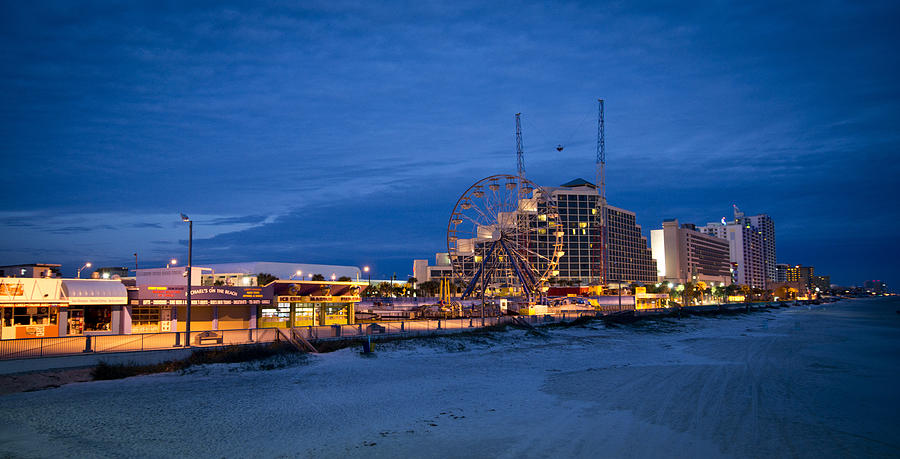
x=12, y=289
x=204, y=295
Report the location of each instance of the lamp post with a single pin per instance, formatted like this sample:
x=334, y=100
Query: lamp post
x=187, y=326
x=86, y=265
x=298, y=274
x=366, y=269
x=172, y=262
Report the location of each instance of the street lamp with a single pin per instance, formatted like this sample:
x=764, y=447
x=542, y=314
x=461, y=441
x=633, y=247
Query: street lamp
x=172, y=262
x=86, y=265
x=187, y=326
x=298, y=274
x=366, y=269
x=332, y=277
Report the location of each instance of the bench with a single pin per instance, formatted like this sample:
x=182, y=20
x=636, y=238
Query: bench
x=209, y=337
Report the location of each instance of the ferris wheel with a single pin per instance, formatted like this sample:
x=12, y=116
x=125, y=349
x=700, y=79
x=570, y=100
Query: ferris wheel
x=504, y=235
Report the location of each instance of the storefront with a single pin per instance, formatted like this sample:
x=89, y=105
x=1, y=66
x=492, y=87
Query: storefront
x=305, y=303
x=96, y=306
x=31, y=308
x=162, y=309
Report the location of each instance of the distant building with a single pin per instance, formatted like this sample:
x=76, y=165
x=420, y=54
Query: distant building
x=285, y=271
x=110, y=272
x=32, y=270
x=781, y=272
x=684, y=254
x=745, y=248
x=423, y=272
x=802, y=274
x=875, y=286
x=822, y=283
x=752, y=241
x=766, y=228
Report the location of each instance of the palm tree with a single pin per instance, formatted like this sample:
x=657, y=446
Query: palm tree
x=265, y=278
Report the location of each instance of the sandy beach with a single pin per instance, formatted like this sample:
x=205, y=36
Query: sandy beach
x=800, y=382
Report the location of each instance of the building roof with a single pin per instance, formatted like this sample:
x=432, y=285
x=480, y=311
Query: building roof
x=94, y=291
x=578, y=182
x=36, y=265
x=285, y=270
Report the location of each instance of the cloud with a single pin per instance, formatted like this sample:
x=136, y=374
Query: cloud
x=334, y=116
x=250, y=219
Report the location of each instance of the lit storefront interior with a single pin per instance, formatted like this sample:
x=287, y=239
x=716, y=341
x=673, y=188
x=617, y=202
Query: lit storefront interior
x=164, y=308
x=306, y=303
x=30, y=307
x=95, y=306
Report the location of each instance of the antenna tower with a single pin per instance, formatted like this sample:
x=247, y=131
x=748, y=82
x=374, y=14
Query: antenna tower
x=600, y=243
x=520, y=150
x=601, y=154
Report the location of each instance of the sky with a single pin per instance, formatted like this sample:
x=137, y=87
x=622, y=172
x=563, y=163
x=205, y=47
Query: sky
x=343, y=132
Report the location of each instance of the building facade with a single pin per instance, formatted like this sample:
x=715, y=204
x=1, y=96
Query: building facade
x=765, y=226
x=423, y=272
x=802, y=274
x=594, y=254
x=33, y=270
x=684, y=254
x=629, y=258
x=781, y=272
x=745, y=250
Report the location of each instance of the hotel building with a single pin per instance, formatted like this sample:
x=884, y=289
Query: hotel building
x=746, y=250
x=684, y=254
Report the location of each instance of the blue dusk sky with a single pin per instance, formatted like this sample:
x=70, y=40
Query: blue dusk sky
x=344, y=132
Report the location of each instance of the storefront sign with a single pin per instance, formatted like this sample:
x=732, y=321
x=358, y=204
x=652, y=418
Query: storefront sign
x=205, y=295
x=12, y=289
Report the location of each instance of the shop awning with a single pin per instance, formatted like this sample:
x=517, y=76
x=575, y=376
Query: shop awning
x=94, y=291
x=26, y=290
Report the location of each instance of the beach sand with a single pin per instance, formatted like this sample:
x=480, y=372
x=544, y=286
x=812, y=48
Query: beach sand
x=800, y=382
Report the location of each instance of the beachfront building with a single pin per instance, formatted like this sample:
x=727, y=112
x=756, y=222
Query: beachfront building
x=802, y=274
x=37, y=308
x=781, y=272
x=95, y=307
x=30, y=307
x=304, y=303
x=628, y=257
x=684, y=254
x=746, y=251
x=585, y=244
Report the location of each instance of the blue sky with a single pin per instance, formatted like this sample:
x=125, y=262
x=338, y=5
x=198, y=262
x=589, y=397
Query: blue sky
x=343, y=132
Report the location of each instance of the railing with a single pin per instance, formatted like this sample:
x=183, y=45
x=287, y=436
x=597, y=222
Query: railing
x=74, y=345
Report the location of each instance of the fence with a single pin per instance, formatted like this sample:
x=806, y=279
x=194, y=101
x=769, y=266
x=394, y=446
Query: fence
x=74, y=345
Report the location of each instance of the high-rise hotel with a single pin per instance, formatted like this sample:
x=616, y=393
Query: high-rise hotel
x=752, y=247
x=628, y=259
